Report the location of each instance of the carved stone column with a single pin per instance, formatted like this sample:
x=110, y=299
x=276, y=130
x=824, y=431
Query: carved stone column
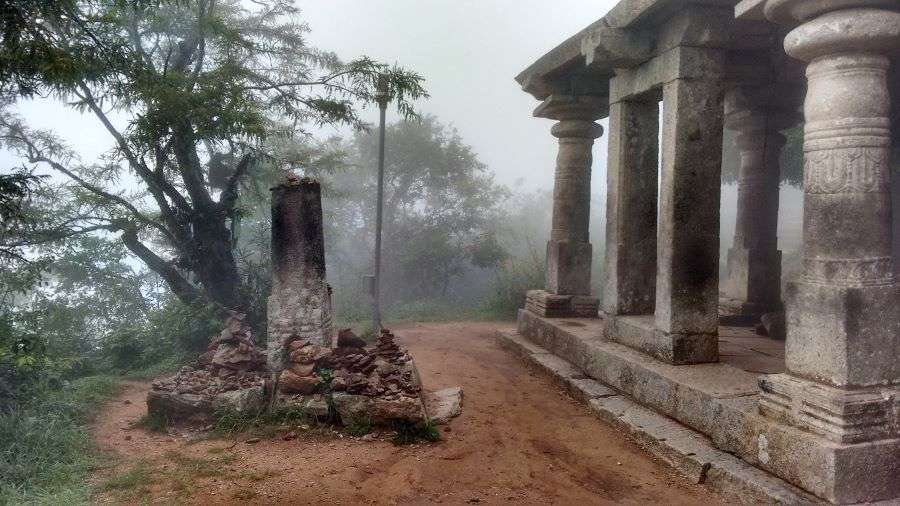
x=569, y=253
x=843, y=316
x=754, y=261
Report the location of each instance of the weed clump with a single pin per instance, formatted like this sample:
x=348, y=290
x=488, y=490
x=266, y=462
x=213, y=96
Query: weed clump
x=408, y=433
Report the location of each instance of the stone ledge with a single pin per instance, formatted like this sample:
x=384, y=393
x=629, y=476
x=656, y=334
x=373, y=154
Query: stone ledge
x=688, y=451
x=722, y=402
x=640, y=333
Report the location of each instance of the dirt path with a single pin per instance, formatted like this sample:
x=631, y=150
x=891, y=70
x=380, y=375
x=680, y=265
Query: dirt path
x=518, y=441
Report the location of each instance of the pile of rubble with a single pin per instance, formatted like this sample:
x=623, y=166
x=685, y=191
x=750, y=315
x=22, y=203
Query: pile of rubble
x=353, y=382
x=231, y=374
x=378, y=385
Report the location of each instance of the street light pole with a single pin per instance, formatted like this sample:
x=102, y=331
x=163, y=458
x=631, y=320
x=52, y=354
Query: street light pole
x=382, y=96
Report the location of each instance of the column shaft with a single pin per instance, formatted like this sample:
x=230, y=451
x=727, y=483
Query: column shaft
x=754, y=261
x=567, y=286
x=687, y=283
x=631, y=208
x=836, y=316
x=569, y=251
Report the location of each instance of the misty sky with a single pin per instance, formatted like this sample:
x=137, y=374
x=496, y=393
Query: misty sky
x=469, y=51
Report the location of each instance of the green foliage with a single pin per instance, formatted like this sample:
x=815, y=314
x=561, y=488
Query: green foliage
x=233, y=422
x=46, y=448
x=207, y=88
x=359, y=427
x=409, y=433
x=512, y=280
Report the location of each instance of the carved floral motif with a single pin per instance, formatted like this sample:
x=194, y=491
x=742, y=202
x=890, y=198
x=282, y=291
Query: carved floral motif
x=848, y=170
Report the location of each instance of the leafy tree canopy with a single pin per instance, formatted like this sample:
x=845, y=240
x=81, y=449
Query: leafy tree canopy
x=204, y=87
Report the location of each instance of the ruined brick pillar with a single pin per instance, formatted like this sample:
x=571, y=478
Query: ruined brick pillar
x=569, y=253
x=300, y=301
x=843, y=315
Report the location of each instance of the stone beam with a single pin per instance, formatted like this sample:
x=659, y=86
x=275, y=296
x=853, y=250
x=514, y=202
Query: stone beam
x=605, y=47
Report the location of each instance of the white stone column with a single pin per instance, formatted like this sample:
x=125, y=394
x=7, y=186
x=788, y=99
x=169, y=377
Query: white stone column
x=569, y=252
x=843, y=316
x=754, y=261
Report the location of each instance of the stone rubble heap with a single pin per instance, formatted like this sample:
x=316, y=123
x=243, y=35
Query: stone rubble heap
x=232, y=369
x=376, y=384
x=300, y=366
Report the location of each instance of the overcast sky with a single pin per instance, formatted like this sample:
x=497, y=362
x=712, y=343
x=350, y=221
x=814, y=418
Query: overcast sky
x=469, y=51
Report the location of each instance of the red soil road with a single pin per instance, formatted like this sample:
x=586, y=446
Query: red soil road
x=519, y=440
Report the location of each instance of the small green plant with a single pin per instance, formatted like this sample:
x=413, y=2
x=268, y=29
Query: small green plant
x=359, y=427
x=153, y=422
x=408, y=433
x=138, y=476
x=234, y=422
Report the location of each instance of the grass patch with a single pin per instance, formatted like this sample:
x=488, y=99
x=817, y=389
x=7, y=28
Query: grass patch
x=229, y=422
x=46, y=451
x=359, y=427
x=138, y=476
x=197, y=467
x=408, y=433
x=153, y=422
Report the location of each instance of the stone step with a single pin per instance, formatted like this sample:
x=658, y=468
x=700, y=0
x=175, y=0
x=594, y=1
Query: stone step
x=688, y=451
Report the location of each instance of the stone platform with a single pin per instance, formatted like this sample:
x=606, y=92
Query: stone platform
x=718, y=403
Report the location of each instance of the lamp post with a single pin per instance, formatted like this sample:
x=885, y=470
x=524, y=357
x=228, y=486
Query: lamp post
x=382, y=96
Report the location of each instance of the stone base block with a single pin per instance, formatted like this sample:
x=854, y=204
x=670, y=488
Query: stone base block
x=842, y=416
x=550, y=305
x=843, y=335
x=722, y=402
x=640, y=333
x=740, y=313
x=569, y=267
x=754, y=276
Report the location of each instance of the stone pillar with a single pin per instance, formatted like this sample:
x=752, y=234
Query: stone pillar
x=569, y=253
x=631, y=206
x=687, y=281
x=843, y=316
x=754, y=261
x=299, y=305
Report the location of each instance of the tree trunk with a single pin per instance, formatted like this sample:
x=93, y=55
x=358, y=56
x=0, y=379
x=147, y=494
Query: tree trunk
x=216, y=267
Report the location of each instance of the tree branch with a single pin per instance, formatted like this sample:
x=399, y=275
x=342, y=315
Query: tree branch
x=230, y=193
x=184, y=290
